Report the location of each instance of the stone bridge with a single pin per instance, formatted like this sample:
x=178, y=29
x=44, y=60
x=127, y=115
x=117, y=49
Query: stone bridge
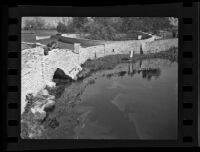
x=38, y=69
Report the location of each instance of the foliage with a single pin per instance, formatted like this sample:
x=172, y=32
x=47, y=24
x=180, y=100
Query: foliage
x=62, y=28
x=108, y=28
x=77, y=25
x=34, y=24
x=100, y=31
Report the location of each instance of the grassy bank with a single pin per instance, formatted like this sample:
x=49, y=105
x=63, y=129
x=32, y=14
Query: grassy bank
x=109, y=62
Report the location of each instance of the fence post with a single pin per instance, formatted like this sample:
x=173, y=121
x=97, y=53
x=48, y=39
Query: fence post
x=141, y=48
x=76, y=49
x=131, y=54
x=95, y=54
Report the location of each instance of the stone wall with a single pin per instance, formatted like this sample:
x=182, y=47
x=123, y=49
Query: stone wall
x=160, y=45
x=31, y=72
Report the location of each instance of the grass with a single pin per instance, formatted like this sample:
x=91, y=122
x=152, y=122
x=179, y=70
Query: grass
x=107, y=62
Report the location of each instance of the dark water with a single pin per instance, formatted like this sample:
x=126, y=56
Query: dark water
x=136, y=101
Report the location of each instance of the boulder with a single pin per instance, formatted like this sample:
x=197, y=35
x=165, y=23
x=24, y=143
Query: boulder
x=51, y=84
x=49, y=105
x=40, y=116
x=52, y=97
x=74, y=71
x=39, y=113
x=45, y=92
x=46, y=50
x=40, y=109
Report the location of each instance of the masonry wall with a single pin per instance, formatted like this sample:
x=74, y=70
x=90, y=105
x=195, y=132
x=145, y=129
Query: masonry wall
x=160, y=45
x=31, y=73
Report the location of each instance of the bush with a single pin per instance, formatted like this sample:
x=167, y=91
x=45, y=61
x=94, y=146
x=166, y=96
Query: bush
x=101, y=32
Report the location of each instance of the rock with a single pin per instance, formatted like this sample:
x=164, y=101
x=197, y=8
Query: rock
x=49, y=105
x=38, y=112
x=52, y=97
x=45, y=92
x=74, y=71
x=46, y=50
x=51, y=84
x=40, y=116
x=36, y=109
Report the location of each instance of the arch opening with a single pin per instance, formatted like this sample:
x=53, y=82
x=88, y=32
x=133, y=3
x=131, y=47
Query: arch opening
x=60, y=76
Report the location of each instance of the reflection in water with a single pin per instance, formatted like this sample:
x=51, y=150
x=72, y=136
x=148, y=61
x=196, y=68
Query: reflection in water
x=131, y=71
x=122, y=73
x=110, y=75
x=147, y=73
x=128, y=107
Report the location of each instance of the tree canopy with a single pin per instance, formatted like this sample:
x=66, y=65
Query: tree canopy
x=33, y=24
x=107, y=28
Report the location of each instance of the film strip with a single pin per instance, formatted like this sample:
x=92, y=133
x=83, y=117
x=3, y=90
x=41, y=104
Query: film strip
x=188, y=106
x=13, y=101
x=189, y=118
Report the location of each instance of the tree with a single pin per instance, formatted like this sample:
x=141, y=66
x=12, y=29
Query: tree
x=78, y=23
x=34, y=24
x=109, y=27
x=132, y=24
x=102, y=30
x=39, y=23
x=146, y=24
x=29, y=24
x=61, y=27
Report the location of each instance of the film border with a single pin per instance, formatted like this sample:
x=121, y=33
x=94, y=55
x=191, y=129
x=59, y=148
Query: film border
x=188, y=90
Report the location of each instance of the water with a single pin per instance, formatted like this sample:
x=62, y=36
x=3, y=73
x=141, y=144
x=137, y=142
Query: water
x=133, y=101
